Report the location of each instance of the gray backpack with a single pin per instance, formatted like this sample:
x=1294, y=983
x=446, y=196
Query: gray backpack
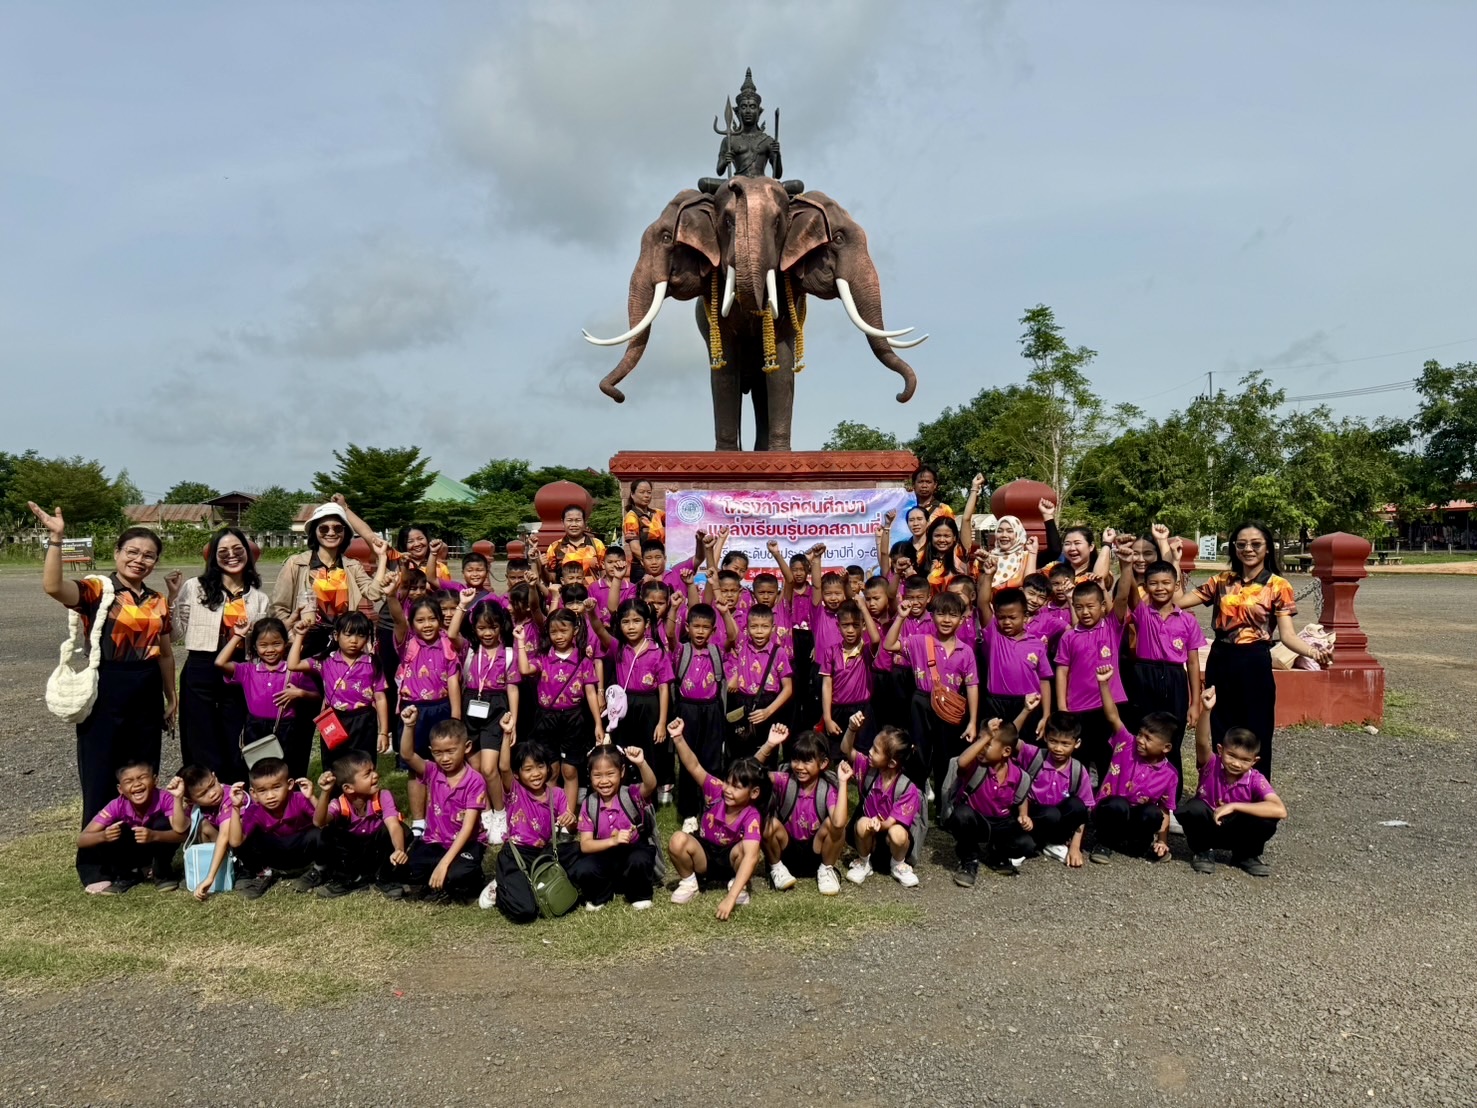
x=955, y=793
x=1074, y=780
x=899, y=787
x=642, y=819
x=825, y=796
x=684, y=659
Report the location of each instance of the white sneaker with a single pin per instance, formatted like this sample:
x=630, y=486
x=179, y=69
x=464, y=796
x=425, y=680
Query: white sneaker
x=1057, y=851
x=487, y=822
x=860, y=870
x=1018, y=862
x=928, y=795
x=826, y=881
x=903, y=874
x=743, y=896
x=417, y=827
x=593, y=907
x=686, y=889
x=689, y=825
x=781, y=877
x=1174, y=825
x=640, y=905
x=498, y=832
x=488, y=900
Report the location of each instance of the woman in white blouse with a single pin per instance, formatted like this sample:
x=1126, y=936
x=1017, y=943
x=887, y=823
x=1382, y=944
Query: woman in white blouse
x=213, y=712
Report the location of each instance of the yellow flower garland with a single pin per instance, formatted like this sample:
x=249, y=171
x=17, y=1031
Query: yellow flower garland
x=797, y=321
x=715, y=339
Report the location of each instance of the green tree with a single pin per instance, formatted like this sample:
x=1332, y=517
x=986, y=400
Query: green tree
x=849, y=435
x=969, y=439
x=1447, y=426
x=383, y=485
x=501, y=475
x=190, y=492
x=274, y=509
x=498, y=516
x=78, y=484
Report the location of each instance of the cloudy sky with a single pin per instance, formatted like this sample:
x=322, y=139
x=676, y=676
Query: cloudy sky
x=236, y=237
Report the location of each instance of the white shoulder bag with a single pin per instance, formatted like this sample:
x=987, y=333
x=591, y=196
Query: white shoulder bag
x=72, y=687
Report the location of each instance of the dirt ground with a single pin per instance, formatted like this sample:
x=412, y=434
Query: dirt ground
x=1344, y=979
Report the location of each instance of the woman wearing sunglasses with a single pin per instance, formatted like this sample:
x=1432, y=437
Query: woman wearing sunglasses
x=320, y=584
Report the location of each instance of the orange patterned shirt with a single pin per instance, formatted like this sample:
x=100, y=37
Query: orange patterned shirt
x=1246, y=612
x=590, y=554
x=133, y=627
x=651, y=525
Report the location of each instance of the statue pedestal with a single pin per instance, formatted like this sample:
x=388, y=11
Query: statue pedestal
x=676, y=470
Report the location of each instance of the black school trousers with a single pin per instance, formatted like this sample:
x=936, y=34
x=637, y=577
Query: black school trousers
x=1160, y=687
x=629, y=870
x=126, y=722
x=1125, y=827
x=354, y=858
x=1245, y=694
x=1243, y=835
x=703, y=729
x=127, y=858
x=1055, y=824
x=515, y=899
x=260, y=851
x=993, y=838
x=934, y=742
x=463, y=878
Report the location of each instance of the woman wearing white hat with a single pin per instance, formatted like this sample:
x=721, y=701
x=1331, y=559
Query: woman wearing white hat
x=320, y=582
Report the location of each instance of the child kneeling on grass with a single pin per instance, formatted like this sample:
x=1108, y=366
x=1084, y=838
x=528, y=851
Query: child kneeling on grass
x=133, y=839
x=990, y=806
x=272, y=829
x=617, y=832
x=361, y=836
x=806, y=829
x=1235, y=807
x=201, y=790
x=890, y=804
x=1137, y=793
x=447, y=859
x=727, y=843
x=538, y=810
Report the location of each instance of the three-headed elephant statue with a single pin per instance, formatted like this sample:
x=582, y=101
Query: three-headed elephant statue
x=751, y=255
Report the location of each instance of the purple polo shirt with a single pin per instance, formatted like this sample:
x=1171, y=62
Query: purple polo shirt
x=849, y=671
x=799, y=608
x=995, y=799
x=1082, y=651
x=1052, y=782
x=804, y=820
x=426, y=668
x=747, y=664
x=879, y=803
x=610, y=815
x=1217, y=787
x=121, y=810
x=529, y=823
x=699, y=682
x=717, y=828
x=643, y=670
x=260, y=684
x=367, y=822
x=1166, y=638
x=295, y=818
x=825, y=626
x=221, y=815
x=445, y=804
x=553, y=692
x=969, y=631
x=489, y=671
x=348, y=686
x=1016, y=666
x=1135, y=781
x=957, y=670
x=1049, y=623
x=600, y=594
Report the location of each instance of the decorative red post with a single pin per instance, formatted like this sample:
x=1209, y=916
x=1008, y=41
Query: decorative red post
x=1188, y=551
x=1022, y=499
x=516, y=550
x=359, y=550
x=484, y=547
x=550, y=501
x=1339, y=565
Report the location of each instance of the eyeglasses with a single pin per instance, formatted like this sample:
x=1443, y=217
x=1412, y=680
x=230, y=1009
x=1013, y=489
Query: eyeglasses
x=1251, y=546
x=140, y=555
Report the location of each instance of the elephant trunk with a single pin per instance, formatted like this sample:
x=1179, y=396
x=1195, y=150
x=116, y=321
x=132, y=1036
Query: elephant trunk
x=639, y=302
x=866, y=294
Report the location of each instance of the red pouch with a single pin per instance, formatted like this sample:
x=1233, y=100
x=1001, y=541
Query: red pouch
x=334, y=733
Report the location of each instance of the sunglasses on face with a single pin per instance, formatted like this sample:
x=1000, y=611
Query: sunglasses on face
x=330, y=529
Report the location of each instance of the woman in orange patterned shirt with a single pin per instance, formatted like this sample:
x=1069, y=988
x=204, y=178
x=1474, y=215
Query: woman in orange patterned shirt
x=1251, y=604
x=135, y=677
x=641, y=522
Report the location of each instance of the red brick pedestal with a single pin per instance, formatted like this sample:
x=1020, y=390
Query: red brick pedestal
x=675, y=471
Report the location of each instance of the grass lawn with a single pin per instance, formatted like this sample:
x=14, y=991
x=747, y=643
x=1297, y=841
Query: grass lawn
x=54, y=936
x=1434, y=558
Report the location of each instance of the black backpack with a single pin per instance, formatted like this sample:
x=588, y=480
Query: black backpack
x=1074, y=781
x=684, y=659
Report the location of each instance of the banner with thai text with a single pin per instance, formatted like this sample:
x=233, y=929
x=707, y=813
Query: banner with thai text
x=846, y=520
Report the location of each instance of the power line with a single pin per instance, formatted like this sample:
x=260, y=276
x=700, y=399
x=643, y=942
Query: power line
x=1393, y=386
x=1372, y=357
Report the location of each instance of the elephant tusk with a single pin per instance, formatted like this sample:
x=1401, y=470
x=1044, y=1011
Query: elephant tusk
x=774, y=296
x=728, y=289
x=906, y=344
x=658, y=295
x=843, y=288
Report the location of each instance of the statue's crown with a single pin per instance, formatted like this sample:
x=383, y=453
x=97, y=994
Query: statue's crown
x=748, y=88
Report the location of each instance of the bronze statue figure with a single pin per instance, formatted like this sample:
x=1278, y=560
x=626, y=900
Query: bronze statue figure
x=750, y=249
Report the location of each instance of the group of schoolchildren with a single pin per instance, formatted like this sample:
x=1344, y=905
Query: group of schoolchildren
x=808, y=712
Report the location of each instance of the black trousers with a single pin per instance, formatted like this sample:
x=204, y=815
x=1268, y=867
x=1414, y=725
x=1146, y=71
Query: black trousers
x=261, y=851
x=1055, y=824
x=1160, y=687
x=1245, y=694
x=128, y=858
x=934, y=742
x=362, y=724
x=993, y=838
x=515, y=899
x=743, y=739
x=1097, y=746
x=126, y=722
x=463, y=877
x=1244, y=836
x=297, y=734
x=638, y=728
x=486, y=733
x=841, y=713
x=805, y=680
x=211, y=716
x=629, y=870
x=1125, y=827
x=354, y=858
x=1005, y=707
x=703, y=729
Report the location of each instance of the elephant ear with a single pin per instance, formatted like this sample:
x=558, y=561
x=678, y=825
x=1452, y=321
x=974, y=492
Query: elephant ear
x=809, y=230
x=695, y=229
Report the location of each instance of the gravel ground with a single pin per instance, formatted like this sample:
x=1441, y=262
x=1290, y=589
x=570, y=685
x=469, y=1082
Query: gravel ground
x=1343, y=979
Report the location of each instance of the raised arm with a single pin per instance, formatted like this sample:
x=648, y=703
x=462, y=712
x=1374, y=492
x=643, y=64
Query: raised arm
x=1105, y=690
x=976, y=486
x=676, y=731
x=773, y=546
x=464, y=601
x=356, y=522
x=295, y=661
x=408, y=715
x=326, y=782
x=223, y=660
x=1203, y=749
x=884, y=543
x=853, y=728
x=1032, y=702
x=778, y=733
x=57, y=587
x=1125, y=590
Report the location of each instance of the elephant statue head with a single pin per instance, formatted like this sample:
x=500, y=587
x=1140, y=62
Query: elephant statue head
x=825, y=254
x=678, y=254
x=752, y=215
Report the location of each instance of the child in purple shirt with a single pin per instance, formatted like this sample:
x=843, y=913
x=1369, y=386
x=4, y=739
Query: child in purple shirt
x=361, y=837
x=845, y=672
x=1166, y=657
x=806, y=828
x=1061, y=792
x=568, y=714
x=201, y=790
x=1017, y=663
x=353, y=686
x=1093, y=642
x=270, y=691
x=446, y=861
x=701, y=691
x=636, y=662
x=729, y=834
x=133, y=838
x=272, y=830
x=935, y=740
x=617, y=828
x=1137, y=794
x=759, y=681
x=989, y=815
x=1235, y=808
x=889, y=829
x=429, y=676
x=540, y=819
